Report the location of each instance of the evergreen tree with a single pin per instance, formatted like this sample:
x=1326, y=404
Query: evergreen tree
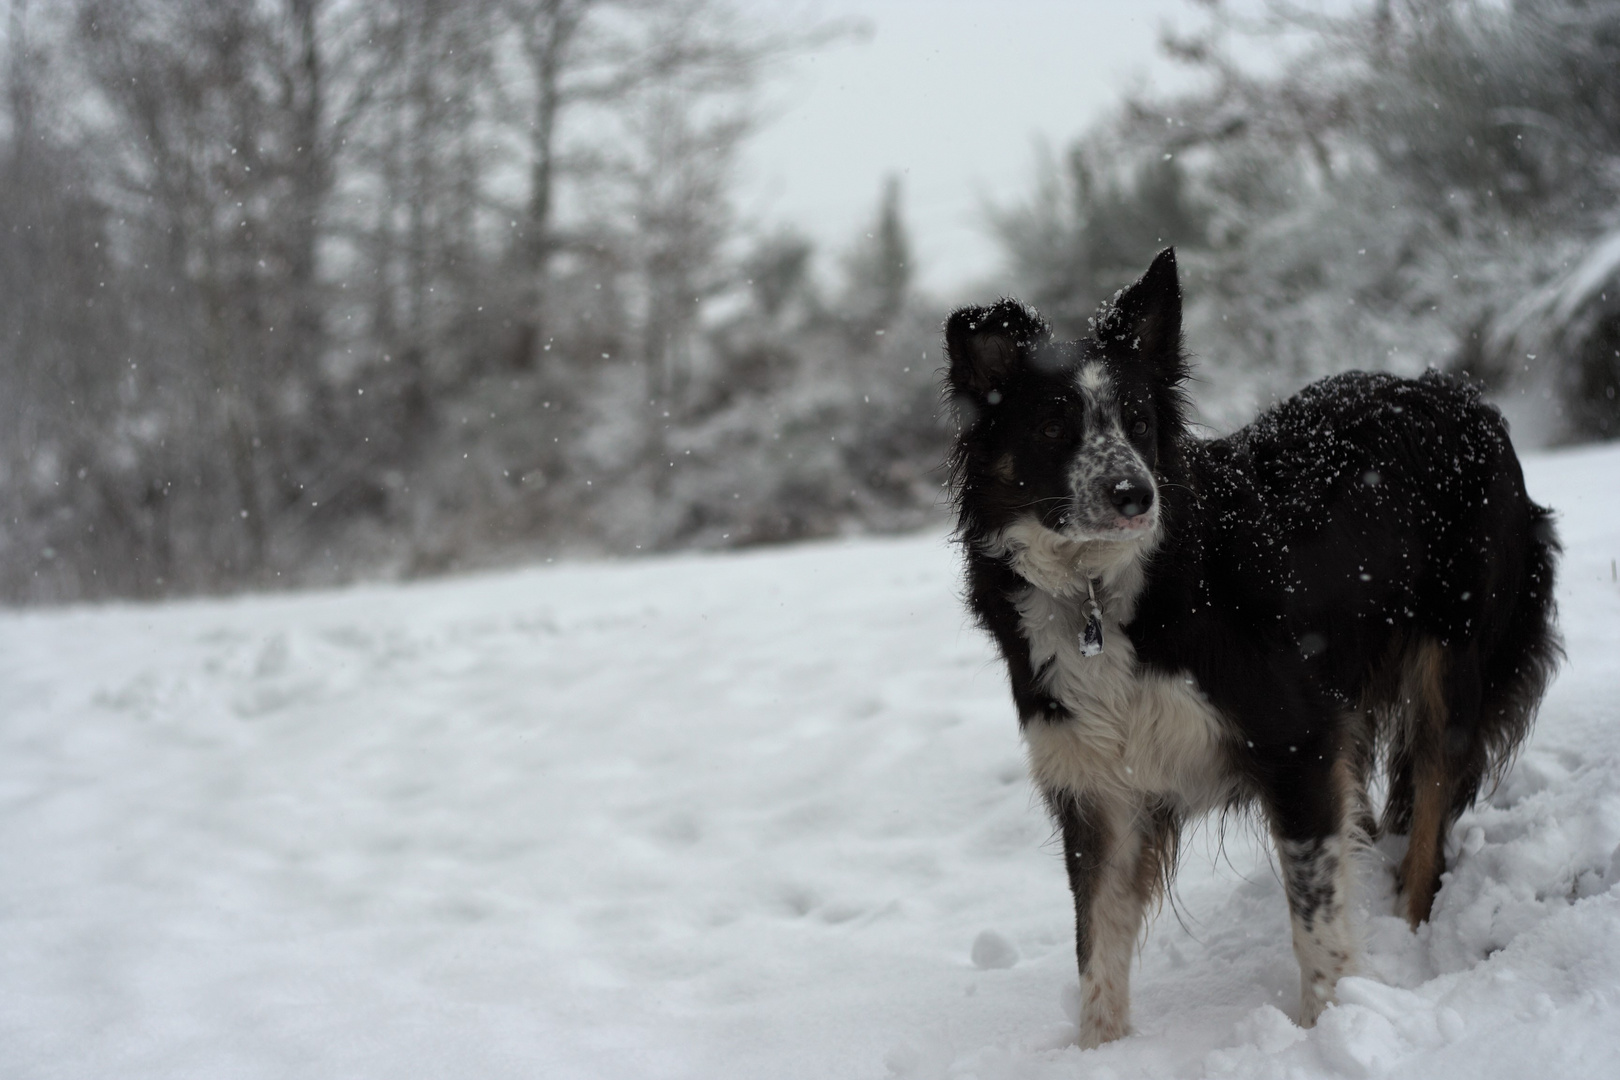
x=878, y=268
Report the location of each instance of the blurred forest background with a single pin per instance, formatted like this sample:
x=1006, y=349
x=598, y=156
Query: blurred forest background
x=298, y=291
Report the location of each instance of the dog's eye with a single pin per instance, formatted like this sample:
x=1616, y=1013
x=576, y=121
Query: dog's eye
x=1053, y=430
x=1139, y=428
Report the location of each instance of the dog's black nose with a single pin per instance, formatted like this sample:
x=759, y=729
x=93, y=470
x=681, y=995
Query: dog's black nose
x=1130, y=495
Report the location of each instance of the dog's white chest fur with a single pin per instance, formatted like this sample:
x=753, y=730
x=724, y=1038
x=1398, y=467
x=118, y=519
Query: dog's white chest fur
x=1132, y=732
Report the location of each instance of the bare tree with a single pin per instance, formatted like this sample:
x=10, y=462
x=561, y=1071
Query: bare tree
x=683, y=61
x=81, y=513
x=230, y=146
x=550, y=32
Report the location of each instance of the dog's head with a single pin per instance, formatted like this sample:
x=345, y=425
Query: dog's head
x=1068, y=438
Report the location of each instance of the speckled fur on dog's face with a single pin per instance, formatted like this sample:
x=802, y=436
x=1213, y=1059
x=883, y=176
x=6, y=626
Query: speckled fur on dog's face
x=1113, y=452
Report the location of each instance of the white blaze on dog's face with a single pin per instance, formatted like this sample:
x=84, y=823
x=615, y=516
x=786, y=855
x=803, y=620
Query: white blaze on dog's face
x=1061, y=441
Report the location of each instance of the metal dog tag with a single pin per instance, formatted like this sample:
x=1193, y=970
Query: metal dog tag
x=1091, y=643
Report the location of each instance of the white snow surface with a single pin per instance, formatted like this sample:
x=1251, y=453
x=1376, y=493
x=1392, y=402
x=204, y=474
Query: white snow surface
x=758, y=815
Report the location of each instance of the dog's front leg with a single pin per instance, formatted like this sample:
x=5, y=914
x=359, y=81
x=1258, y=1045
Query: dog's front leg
x=1105, y=851
x=1310, y=821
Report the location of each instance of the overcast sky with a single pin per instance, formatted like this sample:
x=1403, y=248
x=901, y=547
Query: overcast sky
x=952, y=95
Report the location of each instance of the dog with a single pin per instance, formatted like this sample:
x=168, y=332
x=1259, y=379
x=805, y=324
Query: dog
x=1194, y=624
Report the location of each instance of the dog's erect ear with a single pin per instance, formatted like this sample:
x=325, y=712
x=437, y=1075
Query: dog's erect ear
x=1144, y=320
x=987, y=344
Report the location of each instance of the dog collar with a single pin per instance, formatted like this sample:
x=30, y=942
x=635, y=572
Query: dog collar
x=1091, y=634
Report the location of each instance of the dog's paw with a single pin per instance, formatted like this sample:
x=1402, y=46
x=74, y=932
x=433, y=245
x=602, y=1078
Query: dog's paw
x=1102, y=1022
x=1314, y=999
x=1094, y=1035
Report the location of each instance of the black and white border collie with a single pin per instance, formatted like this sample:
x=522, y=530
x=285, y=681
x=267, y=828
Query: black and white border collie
x=1191, y=624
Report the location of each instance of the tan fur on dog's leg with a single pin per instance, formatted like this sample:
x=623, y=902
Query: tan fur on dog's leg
x=1423, y=686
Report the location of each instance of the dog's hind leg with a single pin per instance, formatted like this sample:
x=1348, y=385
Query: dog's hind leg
x=1469, y=703
x=1312, y=805
x=1436, y=738
x=1117, y=858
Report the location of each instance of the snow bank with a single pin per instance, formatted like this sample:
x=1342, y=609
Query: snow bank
x=707, y=816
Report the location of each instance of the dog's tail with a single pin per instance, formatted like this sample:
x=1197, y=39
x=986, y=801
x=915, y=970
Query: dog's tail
x=1524, y=654
x=1467, y=704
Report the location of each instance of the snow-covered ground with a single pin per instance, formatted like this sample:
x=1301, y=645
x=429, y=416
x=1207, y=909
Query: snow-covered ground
x=708, y=816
